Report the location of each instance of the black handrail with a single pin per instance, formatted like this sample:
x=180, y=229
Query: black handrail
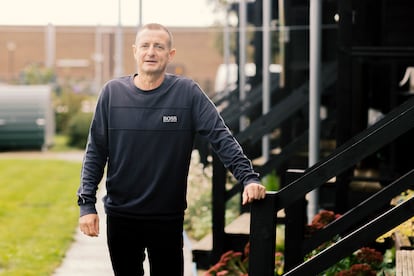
x=262, y=237
x=394, y=124
x=348, y=244
x=361, y=211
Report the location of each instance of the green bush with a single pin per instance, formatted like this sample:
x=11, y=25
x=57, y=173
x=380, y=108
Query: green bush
x=271, y=181
x=66, y=105
x=78, y=129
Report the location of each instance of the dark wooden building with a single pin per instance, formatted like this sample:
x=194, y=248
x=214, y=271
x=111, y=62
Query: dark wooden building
x=367, y=56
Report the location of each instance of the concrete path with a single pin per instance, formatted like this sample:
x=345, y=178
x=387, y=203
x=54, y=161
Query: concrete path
x=89, y=256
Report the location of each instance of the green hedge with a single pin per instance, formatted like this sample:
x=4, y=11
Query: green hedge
x=78, y=129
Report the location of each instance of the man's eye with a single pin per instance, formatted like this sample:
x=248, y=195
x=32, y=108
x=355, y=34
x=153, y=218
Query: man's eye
x=159, y=47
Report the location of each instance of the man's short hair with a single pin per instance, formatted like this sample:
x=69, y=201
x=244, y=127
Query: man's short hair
x=156, y=26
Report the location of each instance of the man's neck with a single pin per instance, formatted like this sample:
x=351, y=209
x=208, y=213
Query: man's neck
x=148, y=82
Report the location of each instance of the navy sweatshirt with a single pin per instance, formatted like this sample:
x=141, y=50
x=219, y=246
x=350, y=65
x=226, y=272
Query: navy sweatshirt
x=146, y=139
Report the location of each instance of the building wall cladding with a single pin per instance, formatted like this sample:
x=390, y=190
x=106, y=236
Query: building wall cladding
x=87, y=53
x=18, y=48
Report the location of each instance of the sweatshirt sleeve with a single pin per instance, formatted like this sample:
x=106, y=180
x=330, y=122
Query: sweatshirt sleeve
x=210, y=124
x=95, y=158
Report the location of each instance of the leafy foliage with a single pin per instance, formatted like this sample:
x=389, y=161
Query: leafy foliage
x=271, y=181
x=36, y=74
x=366, y=261
x=230, y=263
x=78, y=129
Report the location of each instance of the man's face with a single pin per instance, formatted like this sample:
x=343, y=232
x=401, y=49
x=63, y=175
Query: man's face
x=152, y=51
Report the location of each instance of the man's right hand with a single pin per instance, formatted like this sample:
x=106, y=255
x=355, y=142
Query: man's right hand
x=89, y=225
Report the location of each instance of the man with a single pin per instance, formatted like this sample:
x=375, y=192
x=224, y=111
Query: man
x=143, y=130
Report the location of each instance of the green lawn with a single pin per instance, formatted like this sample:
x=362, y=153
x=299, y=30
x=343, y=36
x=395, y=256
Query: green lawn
x=38, y=214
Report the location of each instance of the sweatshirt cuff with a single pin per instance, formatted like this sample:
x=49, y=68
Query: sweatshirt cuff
x=252, y=180
x=87, y=209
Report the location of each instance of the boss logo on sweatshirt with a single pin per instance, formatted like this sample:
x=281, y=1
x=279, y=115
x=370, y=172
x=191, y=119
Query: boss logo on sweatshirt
x=169, y=119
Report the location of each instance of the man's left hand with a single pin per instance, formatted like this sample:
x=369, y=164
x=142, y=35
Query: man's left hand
x=253, y=191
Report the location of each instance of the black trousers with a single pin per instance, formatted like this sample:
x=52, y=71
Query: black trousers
x=128, y=239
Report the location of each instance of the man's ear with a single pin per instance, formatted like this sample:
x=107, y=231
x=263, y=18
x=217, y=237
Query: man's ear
x=172, y=53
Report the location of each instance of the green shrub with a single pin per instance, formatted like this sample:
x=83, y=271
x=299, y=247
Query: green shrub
x=271, y=181
x=67, y=104
x=78, y=129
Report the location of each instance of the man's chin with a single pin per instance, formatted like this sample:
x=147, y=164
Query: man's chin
x=152, y=71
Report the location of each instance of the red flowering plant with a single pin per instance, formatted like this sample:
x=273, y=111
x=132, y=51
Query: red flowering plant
x=230, y=263
x=369, y=256
x=364, y=262
x=234, y=263
x=358, y=270
x=319, y=221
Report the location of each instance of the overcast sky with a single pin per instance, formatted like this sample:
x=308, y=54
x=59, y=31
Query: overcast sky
x=105, y=12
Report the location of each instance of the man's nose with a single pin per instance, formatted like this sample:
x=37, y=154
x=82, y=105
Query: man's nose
x=151, y=49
